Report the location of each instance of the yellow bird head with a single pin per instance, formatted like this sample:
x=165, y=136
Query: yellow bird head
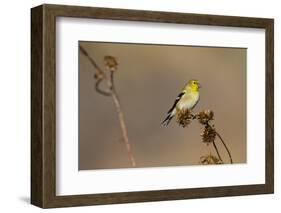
x=194, y=85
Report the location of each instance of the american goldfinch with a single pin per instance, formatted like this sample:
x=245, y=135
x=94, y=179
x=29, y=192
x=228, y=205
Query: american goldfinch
x=187, y=99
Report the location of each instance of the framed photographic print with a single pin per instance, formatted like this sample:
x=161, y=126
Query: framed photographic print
x=135, y=106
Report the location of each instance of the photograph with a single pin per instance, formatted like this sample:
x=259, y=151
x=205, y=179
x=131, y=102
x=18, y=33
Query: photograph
x=158, y=105
x=140, y=105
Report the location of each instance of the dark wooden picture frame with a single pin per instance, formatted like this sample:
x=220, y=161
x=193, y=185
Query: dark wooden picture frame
x=43, y=105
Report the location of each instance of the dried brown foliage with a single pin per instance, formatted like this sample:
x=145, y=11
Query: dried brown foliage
x=184, y=117
x=111, y=63
x=205, y=117
x=208, y=135
x=210, y=159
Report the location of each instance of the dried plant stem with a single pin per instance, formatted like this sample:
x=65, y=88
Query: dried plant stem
x=112, y=92
x=99, y=90
x=123, y=128
x=91, y=59
x=217, y=151
x=225, y=146
x=209, y=133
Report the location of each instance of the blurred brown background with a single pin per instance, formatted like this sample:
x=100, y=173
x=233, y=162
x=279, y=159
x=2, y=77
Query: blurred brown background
x=148, y=79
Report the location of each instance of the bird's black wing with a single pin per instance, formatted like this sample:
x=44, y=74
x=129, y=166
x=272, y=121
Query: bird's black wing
x=176, y=101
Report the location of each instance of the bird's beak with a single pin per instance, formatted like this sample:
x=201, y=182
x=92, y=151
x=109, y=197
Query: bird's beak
x=199, y=85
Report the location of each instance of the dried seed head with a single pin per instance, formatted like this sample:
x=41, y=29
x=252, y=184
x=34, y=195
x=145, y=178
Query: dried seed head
x=98, y=75
x=209, y=159
x=209, y=134
x=184, y=117
x=205, y=116
x=110, y=63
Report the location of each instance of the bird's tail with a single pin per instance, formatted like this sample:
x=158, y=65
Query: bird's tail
x=167, y=120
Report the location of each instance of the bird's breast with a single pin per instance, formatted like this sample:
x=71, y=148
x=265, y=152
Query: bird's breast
x=188, y=101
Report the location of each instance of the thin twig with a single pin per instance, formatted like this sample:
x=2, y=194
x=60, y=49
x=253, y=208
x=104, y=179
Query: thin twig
x=217, y=151
x=124, y=129
x=114, y=95
x=112, y=81
x=91, y=59
x=225, y=146
x=99, y=90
